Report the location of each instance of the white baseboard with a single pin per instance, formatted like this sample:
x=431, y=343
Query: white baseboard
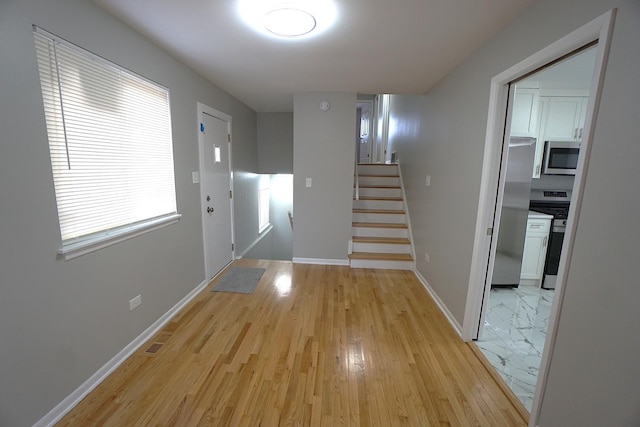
x=320, y=261
x=61, y=409
x=443, y=308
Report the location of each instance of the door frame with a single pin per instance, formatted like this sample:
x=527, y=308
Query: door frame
x=370, y=103
x=600, y=30
x=382, y=105
x=205, y=109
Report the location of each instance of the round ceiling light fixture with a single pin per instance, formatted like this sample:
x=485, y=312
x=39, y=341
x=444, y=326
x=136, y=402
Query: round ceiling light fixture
x=289, y=22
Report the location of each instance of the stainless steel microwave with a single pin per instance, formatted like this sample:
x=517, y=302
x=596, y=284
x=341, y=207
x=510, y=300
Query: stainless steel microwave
x=560, y=157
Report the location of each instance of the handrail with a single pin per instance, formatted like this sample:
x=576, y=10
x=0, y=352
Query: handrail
x=355, y=170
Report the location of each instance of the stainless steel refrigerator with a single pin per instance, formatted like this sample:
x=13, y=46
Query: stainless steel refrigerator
x=515, y=209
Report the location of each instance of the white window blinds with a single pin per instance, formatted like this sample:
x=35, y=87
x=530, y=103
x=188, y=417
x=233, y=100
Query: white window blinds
x=110, y=142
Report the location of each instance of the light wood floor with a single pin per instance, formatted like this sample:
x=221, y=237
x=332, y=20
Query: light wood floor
x=312, y=346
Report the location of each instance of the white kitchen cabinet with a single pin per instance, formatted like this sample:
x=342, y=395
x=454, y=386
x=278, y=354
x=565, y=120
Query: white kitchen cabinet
x=543, y=107
x=535, y=246
x=565, y=118
x=524, y=120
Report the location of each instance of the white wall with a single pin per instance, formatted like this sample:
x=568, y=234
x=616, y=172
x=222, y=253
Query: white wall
x=594, y=375
x=323, y=150
x=61, y=321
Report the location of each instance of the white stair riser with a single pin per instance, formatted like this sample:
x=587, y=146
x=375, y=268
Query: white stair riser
x=377, y=217
x=379, y=192
x=381, y=264
x=379, y=232
x=382, y=248
x=389, y=205
x=377, y=170
x=378, y=180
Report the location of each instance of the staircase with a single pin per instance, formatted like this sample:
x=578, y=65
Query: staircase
x=380, y=229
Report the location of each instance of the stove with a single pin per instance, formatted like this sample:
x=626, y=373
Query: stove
x=555, y=203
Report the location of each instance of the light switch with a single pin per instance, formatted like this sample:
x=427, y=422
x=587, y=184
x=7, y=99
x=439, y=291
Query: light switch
x=308, y=183
x=427, y=181
x=195, y=177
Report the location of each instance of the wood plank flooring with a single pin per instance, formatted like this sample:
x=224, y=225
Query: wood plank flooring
x=312, y=346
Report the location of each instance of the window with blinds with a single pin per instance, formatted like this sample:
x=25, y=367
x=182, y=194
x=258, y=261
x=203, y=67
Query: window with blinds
x=109, y=134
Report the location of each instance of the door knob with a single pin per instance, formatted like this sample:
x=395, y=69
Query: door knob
x=210, y=209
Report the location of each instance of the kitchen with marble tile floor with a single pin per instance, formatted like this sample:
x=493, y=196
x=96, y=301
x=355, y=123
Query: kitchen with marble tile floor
x=513, y=336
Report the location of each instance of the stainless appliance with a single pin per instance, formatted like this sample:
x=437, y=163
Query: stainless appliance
x=515, y=209
x=556, y=203
x=560, y=157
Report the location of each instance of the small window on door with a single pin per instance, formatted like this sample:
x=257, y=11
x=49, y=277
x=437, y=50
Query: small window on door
x=216, y=154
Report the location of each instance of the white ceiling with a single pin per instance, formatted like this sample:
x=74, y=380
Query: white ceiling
x=376, y=46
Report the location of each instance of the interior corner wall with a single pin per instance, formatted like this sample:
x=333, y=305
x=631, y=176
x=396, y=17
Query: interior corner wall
x=275, y=143
x=324, y=151
x=62, y=321
x=593, y=375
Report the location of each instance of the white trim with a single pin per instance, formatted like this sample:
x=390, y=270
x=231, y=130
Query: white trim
x=321, y=261
x=599, y=29
x=441, y=305
x=62, y=408
x=85, y=246
x=255, y=242
x=205, y=109
x=501, y=170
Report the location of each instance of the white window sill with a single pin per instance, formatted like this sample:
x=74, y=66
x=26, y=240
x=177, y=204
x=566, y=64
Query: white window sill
x=83, y=247
x=263, y=228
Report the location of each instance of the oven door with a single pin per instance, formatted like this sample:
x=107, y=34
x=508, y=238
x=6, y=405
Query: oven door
x=556, y=238
x=561, y=157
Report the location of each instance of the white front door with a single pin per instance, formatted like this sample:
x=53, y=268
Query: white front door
x=215, y=189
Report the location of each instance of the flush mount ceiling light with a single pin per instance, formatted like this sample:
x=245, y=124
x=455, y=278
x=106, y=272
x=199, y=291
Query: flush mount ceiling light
x=289, y=22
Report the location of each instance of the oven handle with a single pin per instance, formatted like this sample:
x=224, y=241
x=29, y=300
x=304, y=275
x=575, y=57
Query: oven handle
x=558, y=229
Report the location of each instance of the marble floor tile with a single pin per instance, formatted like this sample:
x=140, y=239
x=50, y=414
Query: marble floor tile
x=513, y=336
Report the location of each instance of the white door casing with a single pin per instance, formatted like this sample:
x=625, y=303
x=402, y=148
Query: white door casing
x=214, y=138
x=597, y=30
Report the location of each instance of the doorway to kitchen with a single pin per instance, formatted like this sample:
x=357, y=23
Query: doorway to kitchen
x=500, y=126
x=547, y=108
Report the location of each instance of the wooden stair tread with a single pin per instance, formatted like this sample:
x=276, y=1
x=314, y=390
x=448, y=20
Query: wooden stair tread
x=378, y=225
x=378, y=211
x=378, y=164
x=387, y=240
x=393, y=199
x=381, y=256
x=392, y=187
x=377, y=176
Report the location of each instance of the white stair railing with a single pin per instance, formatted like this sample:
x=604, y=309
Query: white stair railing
x=355, y=170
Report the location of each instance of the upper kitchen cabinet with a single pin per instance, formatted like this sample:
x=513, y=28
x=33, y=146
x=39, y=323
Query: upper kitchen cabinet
x=565, y=118
x=561, y=118
x=524, y=121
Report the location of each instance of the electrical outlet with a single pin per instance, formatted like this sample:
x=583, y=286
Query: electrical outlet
x=135, y=302
x=427, y=181
x=426, y=257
